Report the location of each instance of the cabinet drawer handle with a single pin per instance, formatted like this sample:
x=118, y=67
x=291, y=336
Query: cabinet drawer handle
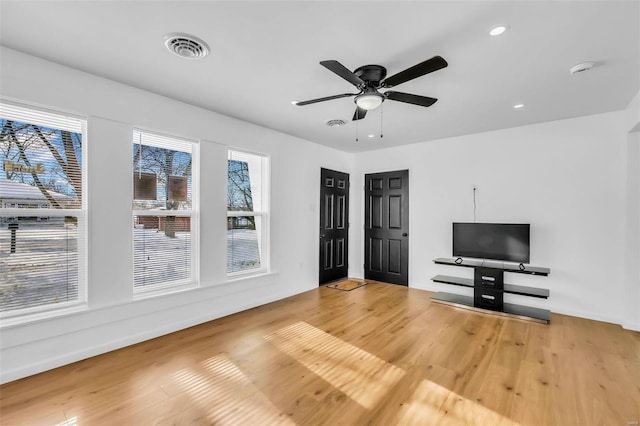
x=486, y=296
x=488, y=278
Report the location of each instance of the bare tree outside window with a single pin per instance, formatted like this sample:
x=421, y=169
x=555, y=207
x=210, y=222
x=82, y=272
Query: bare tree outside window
x=239, y=193
x=48, y=159
x=245, y=214
x=41, y=168
x=164, y=163
x=162, y=211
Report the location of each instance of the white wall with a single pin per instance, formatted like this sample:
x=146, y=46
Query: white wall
x=567, y=178
x=632, y=242
x=632, y=247
x=632, y=120
x=113, y=319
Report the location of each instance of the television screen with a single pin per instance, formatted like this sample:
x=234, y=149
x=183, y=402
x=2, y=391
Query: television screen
x=496, y=241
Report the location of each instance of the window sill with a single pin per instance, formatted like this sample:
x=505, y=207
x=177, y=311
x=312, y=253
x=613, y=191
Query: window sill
x=160, y=290
x=9, y=320
x=253, y=273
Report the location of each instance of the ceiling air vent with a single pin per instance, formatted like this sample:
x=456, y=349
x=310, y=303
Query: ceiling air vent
x=186, y=46
x=336, y=122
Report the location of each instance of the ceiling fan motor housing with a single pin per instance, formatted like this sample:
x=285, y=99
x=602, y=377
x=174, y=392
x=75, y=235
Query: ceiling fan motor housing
x=372, y=75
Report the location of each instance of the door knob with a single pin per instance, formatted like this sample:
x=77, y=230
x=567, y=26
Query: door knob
x=404, y=234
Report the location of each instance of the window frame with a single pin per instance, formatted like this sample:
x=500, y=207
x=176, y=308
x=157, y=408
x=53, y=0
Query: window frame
x=265, y=242
x=193, y=280
x=33, y=313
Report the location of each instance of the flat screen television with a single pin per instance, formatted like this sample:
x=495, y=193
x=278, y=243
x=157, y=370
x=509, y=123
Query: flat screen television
x=497, y=241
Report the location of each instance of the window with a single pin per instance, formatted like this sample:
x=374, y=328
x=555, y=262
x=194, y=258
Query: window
x=247, y=221
x=164, y=228
x=42, y=211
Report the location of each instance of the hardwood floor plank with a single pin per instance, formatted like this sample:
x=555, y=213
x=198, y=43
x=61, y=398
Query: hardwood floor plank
x=381, y=354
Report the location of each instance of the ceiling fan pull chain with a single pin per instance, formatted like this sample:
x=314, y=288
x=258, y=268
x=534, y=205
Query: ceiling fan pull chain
x=381, y=109
x=356, y=130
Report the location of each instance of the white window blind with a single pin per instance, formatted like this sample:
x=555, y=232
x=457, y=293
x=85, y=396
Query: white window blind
x=246, y=213
x=163, y=211
x=42, y=211
x=41, y=117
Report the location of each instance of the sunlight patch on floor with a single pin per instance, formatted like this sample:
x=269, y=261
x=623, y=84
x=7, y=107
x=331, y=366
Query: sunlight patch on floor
x=73, y=421
x=435, y=404
x=362, y=376
x=227, y=396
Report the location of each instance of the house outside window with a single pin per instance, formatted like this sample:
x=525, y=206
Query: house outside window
x=247, y=213
x=164, y=206
x=43, y=212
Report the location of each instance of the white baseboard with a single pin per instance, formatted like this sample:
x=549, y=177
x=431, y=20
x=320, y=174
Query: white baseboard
x=631, y=326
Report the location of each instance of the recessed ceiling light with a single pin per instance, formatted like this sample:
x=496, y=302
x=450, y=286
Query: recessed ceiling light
x=498, y=29
x=581, y=67
x=518, y=106
x=372, y=136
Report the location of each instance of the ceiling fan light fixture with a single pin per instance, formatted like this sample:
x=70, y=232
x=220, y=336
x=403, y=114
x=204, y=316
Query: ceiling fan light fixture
x=369, y=101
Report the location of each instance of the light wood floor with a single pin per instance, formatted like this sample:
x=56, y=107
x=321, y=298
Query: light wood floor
x=380, y=354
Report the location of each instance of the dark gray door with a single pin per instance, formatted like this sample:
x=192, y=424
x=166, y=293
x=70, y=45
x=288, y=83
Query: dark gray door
x=386, y=235
x=334, y=225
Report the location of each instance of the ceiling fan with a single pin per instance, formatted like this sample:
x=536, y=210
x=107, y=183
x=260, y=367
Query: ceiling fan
x=369, y=78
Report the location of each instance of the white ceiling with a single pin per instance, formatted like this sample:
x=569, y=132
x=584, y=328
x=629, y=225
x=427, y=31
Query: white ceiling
x=265, y=54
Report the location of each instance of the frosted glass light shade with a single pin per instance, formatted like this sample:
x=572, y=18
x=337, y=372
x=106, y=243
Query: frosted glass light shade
x=369, y=102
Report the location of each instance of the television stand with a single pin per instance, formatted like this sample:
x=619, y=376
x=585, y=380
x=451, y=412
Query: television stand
x=489, y=289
